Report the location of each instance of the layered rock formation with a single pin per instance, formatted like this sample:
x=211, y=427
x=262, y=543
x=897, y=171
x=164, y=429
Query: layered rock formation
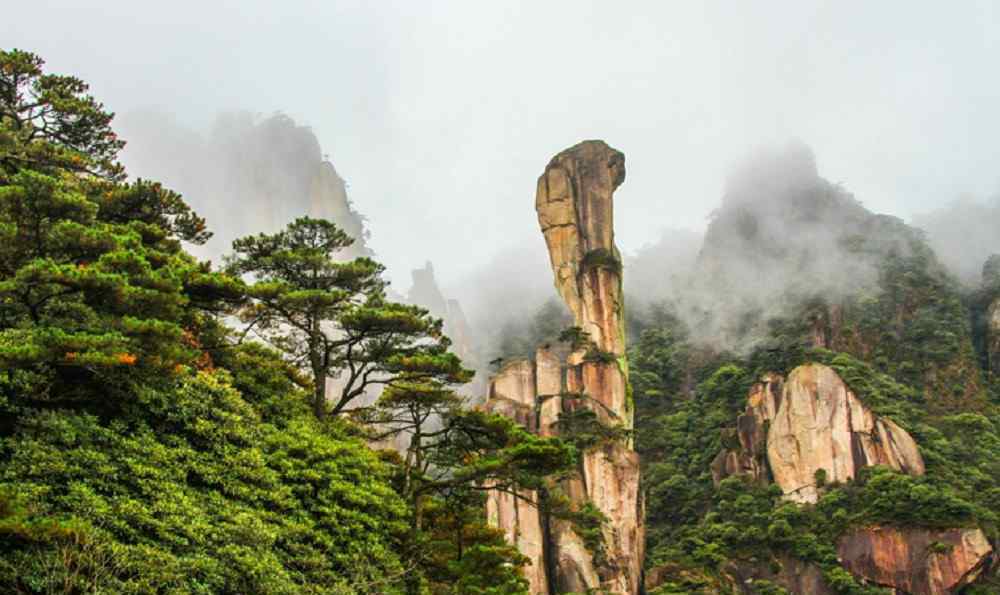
x=425, y=292
x=512, y=394
x=328, y=200
x=791, y=574
x=822, y=425
x=915, y=561
x=747, y=443
x=575, y=212
x=810, y=422
x=807, y=426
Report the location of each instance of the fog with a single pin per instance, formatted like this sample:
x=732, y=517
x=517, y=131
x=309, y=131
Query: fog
x=964, y=233
x=439, y=116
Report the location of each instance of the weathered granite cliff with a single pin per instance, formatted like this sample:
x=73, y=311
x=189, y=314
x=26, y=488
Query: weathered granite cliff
x=328, y=200
x=426, y=292
x=575, y=211
x=808, y=425
x=915, y=561
x=512, y=394
x=747, y=443
x=822, y=425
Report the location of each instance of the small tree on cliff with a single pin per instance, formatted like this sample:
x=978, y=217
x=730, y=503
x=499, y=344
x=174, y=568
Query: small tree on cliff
x=333, y=318
x=453, y=457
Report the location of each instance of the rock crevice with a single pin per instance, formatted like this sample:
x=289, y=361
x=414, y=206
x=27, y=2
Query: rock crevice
x=915, y=561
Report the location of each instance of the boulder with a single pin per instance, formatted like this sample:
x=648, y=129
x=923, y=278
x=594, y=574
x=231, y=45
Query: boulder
x=822, y=425
x=915, y=561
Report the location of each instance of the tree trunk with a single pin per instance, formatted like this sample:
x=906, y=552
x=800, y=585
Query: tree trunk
x=318, y=370
x=413, y=460
x=319, y=398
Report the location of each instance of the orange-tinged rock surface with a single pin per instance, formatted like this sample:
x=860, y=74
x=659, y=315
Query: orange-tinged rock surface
x=748, y=456
x=821, y=424
x=915, y=561
x=519, y=518
x=575, y=212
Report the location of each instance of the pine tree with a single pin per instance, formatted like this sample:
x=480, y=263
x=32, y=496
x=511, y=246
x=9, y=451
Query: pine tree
x=333, y=318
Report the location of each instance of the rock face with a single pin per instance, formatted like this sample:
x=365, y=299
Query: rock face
x=747, y=451
x=915, y=561
x=426, y=293
x=810, y=421
x=795, y=576
x=518, y=517
x=793, y=428
x=821, y=424
x=575, y=211
x=574, y=204
x=512, y=394
x=328, y=200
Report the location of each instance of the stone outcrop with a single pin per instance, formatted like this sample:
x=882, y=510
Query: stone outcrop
x=426, y=292
x=791, y=574
x=812, y=421
x=328, y=200
x=575, y=212
x=746, y=451
x=822, y=425
x=793, y=428
x=512, y=394
x=915, y=561
x=519, y=519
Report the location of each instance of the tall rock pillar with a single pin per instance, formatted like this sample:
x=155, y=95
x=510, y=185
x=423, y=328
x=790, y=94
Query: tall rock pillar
x=575, y=212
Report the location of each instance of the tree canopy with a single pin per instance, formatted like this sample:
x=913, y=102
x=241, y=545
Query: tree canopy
x=332, y=317
x=146, y=446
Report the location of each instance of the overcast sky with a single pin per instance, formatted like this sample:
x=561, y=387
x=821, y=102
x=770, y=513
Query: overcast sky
x=441, y=115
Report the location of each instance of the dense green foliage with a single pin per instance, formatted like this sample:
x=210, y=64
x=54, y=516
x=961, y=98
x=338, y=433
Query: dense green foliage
x=333, y=318
x=907, y=350
x=194, y=492
x=142, y=452
x=147, y=447
x=695, y=525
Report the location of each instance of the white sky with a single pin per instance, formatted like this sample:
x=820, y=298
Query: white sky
x=441, y=115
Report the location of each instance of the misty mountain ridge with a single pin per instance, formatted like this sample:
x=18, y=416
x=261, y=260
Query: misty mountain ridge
x=246, y=174
x=783, y=235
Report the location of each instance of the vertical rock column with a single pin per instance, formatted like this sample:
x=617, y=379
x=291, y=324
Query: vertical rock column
x=575, y=208
x=575, y=211
x=513, y=394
